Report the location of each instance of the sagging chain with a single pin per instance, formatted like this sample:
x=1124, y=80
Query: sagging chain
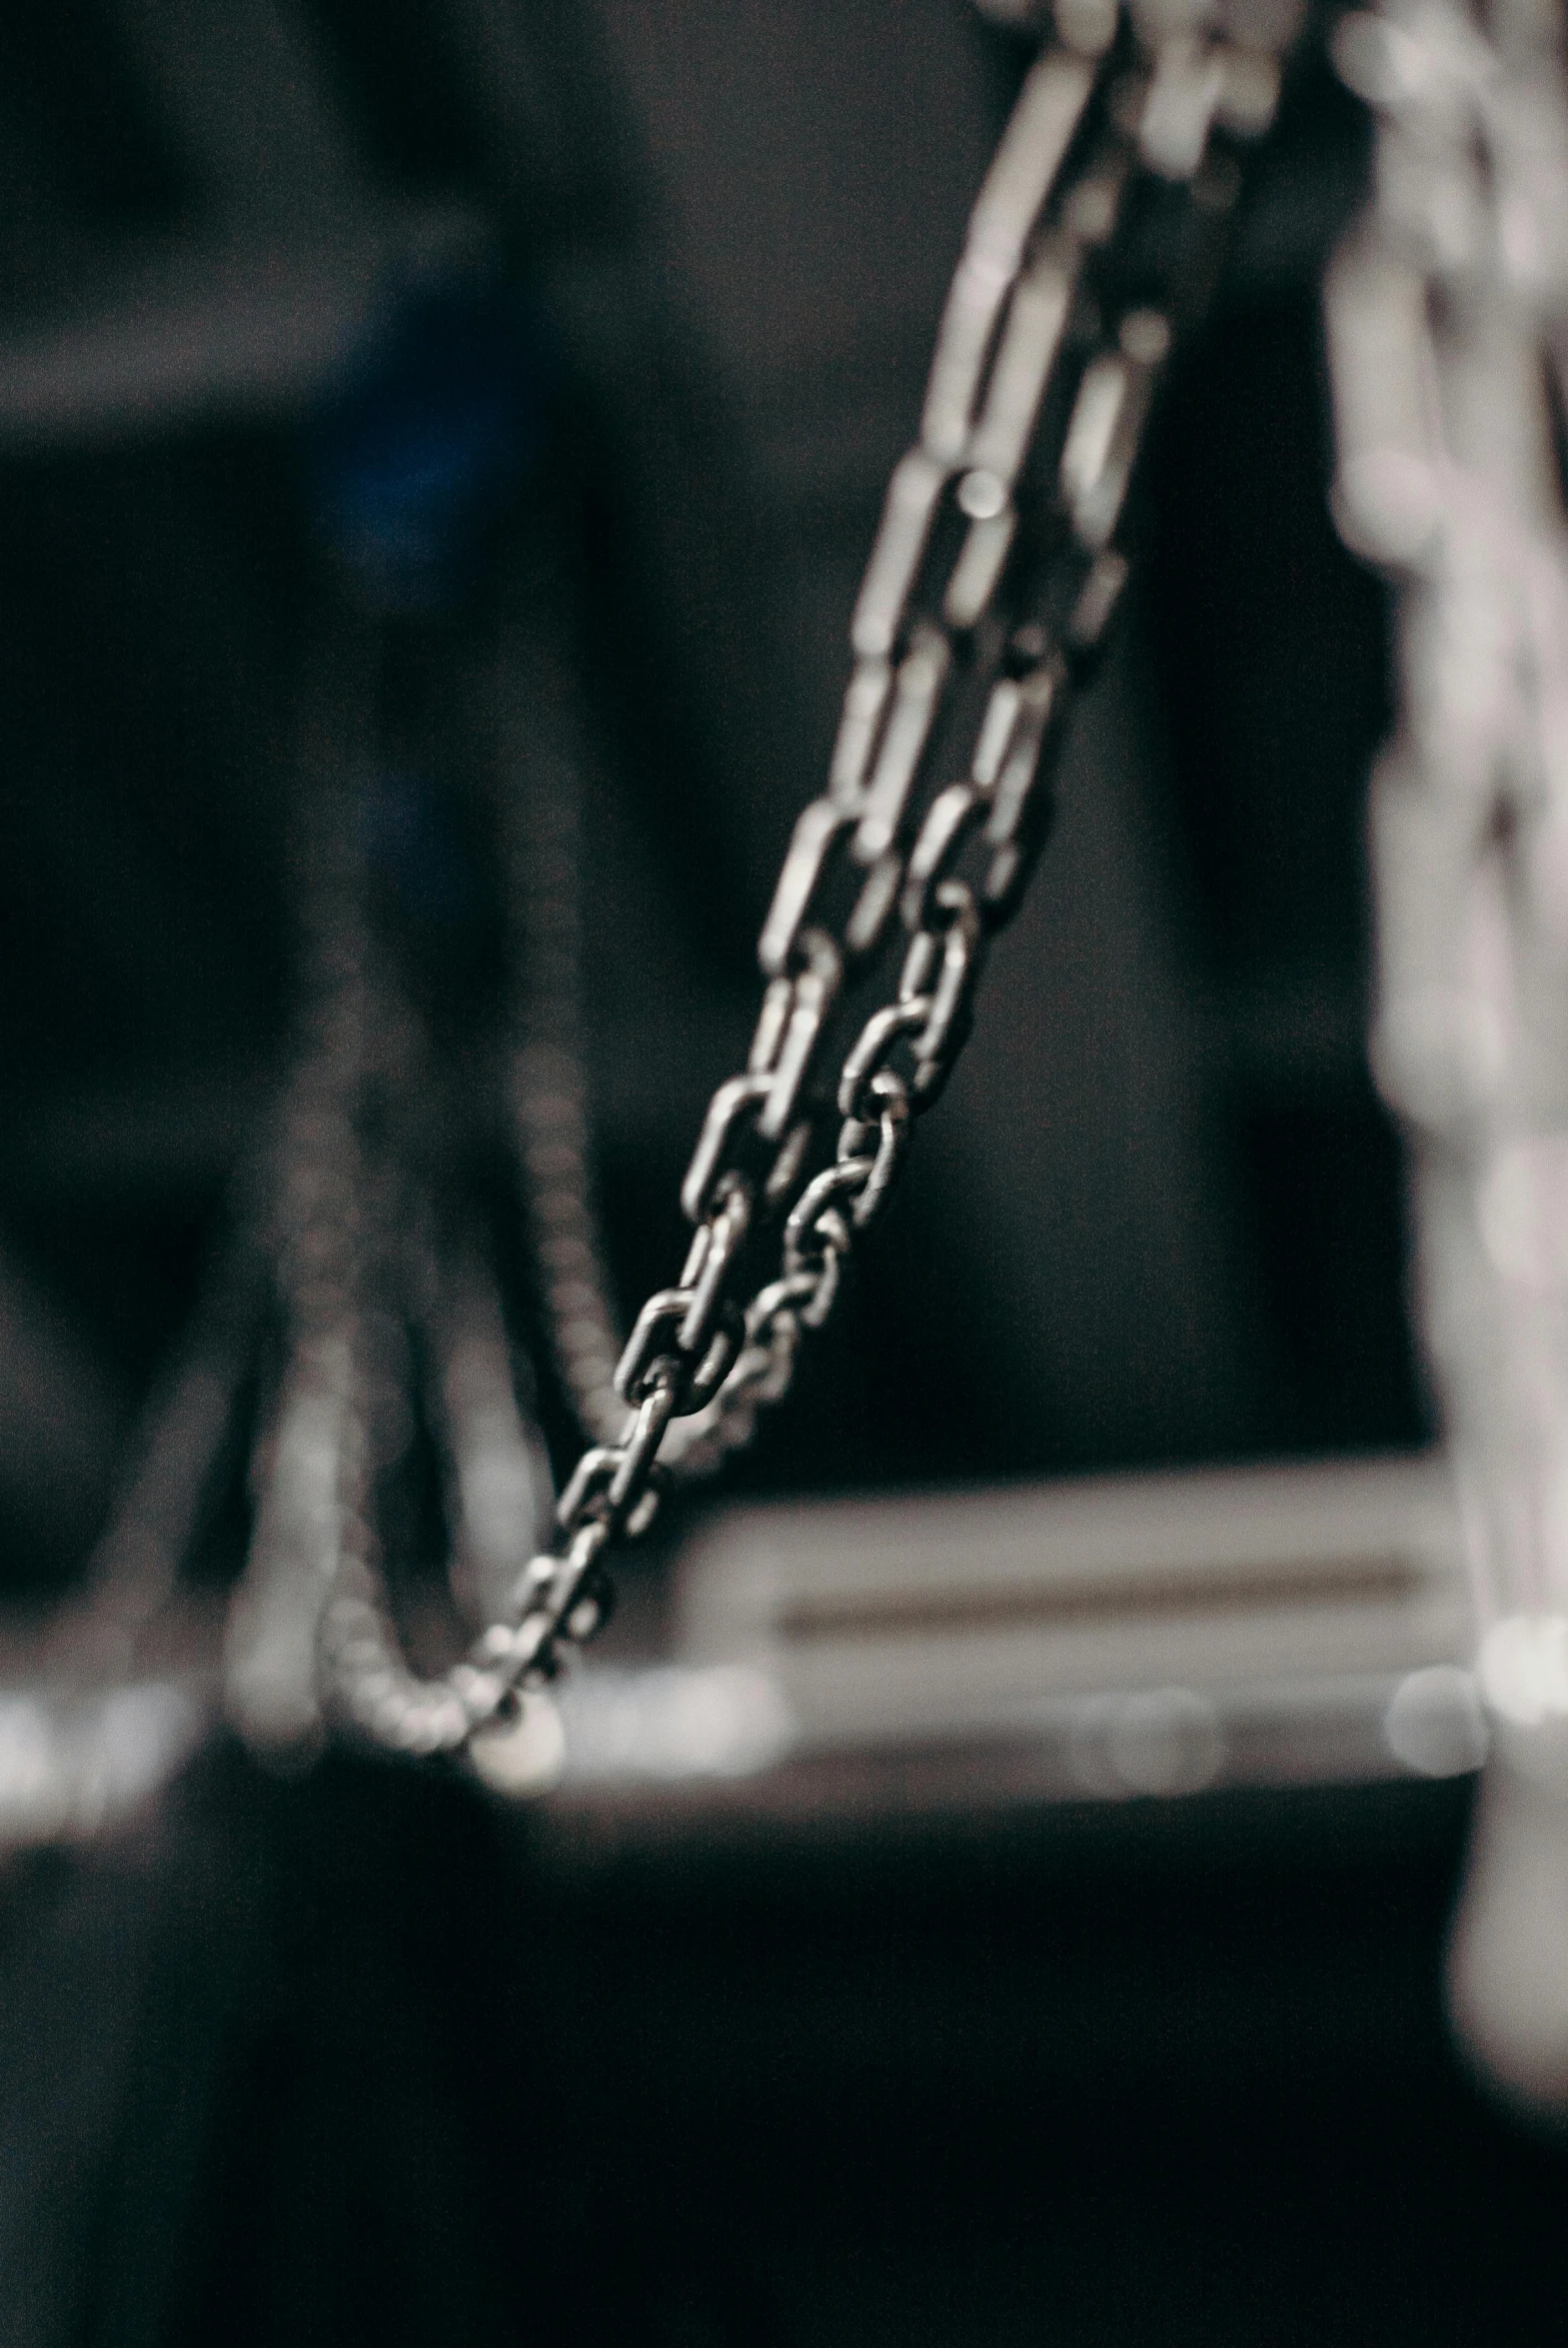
x=387, y=1318
x=992, y=581
x=1448, y=331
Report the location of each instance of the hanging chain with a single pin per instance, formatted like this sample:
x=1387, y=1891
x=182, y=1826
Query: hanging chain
x=1448, y=328
x=375, y=1303
x=307, y=1463
x=543, y=757
x=990, y=584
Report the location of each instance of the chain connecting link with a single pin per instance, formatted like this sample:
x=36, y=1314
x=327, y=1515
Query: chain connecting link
x=1448, y=330
x=992, y=579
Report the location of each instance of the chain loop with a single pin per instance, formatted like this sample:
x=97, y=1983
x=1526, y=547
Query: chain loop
x=829, y=834
x=882, y=1033
x=891, y=1129
x=732, y=1106
x=709, y=1264
x=957, y=950
x=794, y=1016
x=651, y=1362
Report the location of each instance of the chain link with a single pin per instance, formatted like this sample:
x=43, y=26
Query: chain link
x=991, y=580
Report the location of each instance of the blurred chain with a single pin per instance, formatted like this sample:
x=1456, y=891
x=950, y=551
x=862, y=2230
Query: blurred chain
x=544, y=756
x=990, y=584
x=498, y=1492
x=377, y=1311
x=306, y=1462
x=1448, y=328
x=499, y=1496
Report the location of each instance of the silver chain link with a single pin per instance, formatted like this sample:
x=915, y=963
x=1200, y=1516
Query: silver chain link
x=991, y=580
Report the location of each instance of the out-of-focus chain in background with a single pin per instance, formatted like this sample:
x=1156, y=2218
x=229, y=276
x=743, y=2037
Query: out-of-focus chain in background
x=1447, y=312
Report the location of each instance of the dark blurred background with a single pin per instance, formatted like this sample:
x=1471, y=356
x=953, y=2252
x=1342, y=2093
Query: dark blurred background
x=323, y=308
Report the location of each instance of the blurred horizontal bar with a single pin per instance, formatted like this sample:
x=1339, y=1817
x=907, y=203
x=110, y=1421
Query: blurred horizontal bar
x=1137, y=1635
x=1142, y=1635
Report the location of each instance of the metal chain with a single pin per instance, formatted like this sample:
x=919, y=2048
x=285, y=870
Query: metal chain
x=992, y=581
x=497, y=1477
x=305, y=1464
x=357, y=1275
x=1448, y=328
x=544, y=756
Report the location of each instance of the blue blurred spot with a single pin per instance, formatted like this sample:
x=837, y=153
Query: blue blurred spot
x=407, y=465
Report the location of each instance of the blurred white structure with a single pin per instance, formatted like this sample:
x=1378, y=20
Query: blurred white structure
x=1103, y=1639
x=1448, y=326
